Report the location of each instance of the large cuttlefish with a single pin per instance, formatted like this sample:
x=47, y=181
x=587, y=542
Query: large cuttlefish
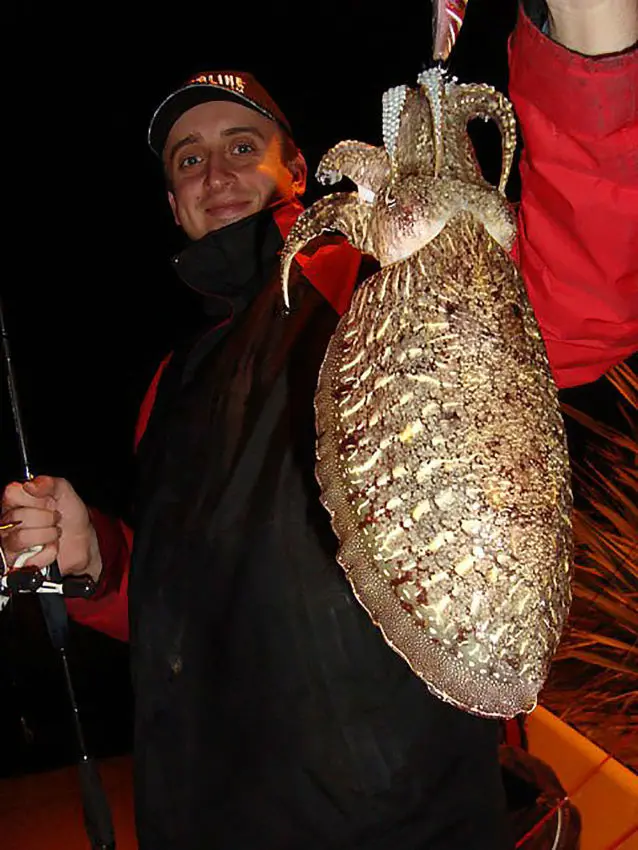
x=441, y=452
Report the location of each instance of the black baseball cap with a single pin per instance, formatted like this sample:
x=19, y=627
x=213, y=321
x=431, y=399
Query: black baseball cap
x=238, y=86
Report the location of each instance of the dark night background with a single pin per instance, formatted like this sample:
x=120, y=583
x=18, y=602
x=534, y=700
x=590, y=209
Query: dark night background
x=90, y=300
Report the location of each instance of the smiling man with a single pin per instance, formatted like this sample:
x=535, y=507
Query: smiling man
x=270, y=714
x=225, y=160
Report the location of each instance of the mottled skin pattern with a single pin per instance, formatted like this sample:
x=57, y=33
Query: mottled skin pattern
x=441, y=453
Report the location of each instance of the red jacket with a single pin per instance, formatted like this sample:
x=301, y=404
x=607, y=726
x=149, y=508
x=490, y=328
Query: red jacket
x=577, y=242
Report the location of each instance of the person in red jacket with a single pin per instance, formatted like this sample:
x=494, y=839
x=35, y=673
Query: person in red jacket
x=269, y=711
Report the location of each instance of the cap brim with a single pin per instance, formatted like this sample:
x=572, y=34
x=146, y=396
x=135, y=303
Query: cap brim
x=186, y=98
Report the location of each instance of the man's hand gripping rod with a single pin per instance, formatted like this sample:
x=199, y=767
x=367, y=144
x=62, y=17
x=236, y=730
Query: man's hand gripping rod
x=49, y=583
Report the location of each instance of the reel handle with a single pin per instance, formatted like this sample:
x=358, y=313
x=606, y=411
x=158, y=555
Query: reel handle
x=78, y=587
x=31, y=579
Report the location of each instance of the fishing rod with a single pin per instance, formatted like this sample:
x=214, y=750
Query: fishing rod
x=51, y=590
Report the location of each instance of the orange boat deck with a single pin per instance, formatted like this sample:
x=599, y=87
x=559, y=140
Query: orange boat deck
x=44, y=812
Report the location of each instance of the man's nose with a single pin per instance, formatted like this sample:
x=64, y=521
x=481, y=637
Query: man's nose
x=218, y=173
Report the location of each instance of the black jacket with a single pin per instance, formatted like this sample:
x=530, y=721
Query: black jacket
x=270, y=712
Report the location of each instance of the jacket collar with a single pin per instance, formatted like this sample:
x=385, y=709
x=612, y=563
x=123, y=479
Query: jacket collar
x=235, y=262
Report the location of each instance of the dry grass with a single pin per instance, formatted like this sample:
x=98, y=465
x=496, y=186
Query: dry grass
x=593, y=684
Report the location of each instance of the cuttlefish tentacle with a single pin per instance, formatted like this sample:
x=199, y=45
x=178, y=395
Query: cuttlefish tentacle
x=463, y=103
x=416, y=148
x=366, y=165
x=343, y=212
x=432, y=87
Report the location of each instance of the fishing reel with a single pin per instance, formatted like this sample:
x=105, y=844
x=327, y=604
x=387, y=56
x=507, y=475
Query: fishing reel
x=21, y=579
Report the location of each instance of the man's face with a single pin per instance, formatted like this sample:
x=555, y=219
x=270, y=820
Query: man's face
x=224, y=162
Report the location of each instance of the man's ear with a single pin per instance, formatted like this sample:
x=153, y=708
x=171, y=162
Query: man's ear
x=173, y=205
x=299, y=170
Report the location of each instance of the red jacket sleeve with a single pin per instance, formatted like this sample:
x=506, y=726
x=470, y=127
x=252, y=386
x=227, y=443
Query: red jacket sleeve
x=107, y=609
x=578, y=223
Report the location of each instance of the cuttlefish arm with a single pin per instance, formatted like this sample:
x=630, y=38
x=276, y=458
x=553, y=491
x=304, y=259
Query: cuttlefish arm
x=366, y=165
x=476, y=100
x=343, y=212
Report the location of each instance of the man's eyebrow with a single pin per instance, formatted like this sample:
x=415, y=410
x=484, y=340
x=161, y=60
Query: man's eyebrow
x=233, y=131
x=191, y=139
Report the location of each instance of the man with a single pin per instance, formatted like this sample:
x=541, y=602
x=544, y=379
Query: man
x=269, y=711
x=228, y=162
